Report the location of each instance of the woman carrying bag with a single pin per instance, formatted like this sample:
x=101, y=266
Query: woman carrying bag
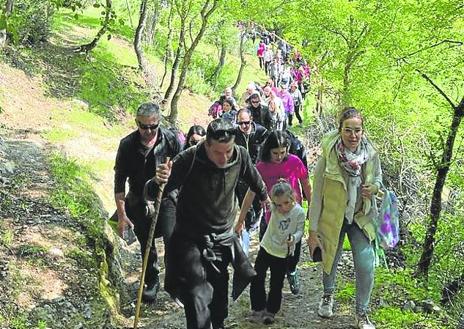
x=346, y=179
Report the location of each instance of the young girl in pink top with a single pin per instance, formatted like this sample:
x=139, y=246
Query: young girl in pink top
x=276, y=163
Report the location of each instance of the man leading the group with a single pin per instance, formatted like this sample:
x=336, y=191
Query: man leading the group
x=203, y=243
x=138, y=155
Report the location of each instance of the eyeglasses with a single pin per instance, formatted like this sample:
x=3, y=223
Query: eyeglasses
x=243, y=123
x=255, y=102
x=221, y=134
x=351, y=131
x=146, y=127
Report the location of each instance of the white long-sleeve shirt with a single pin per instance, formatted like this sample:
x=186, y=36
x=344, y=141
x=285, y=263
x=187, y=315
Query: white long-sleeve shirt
x=280, y=227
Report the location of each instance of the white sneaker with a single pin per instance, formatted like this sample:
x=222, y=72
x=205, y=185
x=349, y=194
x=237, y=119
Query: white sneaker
x=326, y=306
x=362, y=322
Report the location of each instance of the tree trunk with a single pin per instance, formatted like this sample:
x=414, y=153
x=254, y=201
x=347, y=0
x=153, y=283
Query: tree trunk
x=217, y=71
x=4, y=21
x=168, y=53
x=91, y=45
x=130, y=13
x=138, y=38
x=151, y=30
x=9, y=7
x=318, y=109
x=175, y=66
x=242, y=62
x=443, y=168
x=205, y=13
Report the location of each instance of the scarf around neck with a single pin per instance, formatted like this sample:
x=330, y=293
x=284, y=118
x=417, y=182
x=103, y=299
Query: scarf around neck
x=352, y=163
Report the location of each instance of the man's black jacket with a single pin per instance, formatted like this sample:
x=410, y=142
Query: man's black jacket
x=138, y=163
x=253, y=141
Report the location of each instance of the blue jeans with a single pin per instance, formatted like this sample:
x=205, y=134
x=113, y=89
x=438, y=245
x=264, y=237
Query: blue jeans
x=363, y=257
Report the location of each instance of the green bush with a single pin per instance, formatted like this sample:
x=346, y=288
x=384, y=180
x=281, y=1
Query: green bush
x=30, y=21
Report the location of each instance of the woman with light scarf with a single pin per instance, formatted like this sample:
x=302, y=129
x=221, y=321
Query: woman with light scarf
x=346, y=179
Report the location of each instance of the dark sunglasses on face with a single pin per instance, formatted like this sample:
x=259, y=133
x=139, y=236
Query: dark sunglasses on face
x=221, y=133
x=193, y=142
x=243, y=123
x=255, y=102
x=146, y=127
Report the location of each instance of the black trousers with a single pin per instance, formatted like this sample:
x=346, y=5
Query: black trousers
x=202, y=288
x=164, y=228
x=297, y=113
x=292, y=261
x=272, y=303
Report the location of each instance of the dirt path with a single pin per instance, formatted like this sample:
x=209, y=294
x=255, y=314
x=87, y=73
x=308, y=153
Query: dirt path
x=298, y=311
x=44, y=277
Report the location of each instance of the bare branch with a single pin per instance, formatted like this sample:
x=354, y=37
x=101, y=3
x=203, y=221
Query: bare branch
x=437, y=88
x=455, y=43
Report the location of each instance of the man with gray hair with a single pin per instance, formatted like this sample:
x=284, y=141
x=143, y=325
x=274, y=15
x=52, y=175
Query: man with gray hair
x=138, y=155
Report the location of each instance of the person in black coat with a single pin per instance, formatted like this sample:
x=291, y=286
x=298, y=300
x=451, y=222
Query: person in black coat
x=203, y=243
x=138, y=155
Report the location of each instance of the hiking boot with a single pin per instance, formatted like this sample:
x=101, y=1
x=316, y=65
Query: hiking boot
x=362, y=322
x=294, y=282
x=256, y=317
x=268, y=317
x=326, y=306
x=150, y=292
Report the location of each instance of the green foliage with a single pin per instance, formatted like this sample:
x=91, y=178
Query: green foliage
x=394, y=318
x=201, y=66
x=347, y=292
x=393, y=288
x=74, y=192
x=398, y=285
x=30, y=21
x=6, y=237
x=31, y=251
x=19, y=322
x=83, y=258
x=41, y=324
x=346, y=244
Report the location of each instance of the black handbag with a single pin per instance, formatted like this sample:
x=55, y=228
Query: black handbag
x=317, y=255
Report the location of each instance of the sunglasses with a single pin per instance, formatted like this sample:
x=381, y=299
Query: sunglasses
x=146, y=127
x=222, y=134
x=193, y=142
x=255, y=102
x=243, y=123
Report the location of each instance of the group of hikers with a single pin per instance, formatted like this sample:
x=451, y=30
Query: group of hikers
x=274, y=103
x=241, y=176
x=247, y=173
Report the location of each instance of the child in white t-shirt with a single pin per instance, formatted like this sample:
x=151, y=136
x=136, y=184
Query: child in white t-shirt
x=284, y=230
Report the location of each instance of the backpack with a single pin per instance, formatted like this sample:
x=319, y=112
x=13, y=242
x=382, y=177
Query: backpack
x=297, y=148
x=387, y=221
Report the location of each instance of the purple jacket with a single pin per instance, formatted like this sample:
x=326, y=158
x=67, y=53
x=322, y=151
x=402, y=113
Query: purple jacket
x=287, y=100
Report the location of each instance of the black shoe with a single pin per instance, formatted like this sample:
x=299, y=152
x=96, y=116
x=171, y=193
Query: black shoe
x=150, y=292
x=219, y=326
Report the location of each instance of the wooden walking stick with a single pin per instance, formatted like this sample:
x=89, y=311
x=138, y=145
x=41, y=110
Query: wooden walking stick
x=151, y=234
